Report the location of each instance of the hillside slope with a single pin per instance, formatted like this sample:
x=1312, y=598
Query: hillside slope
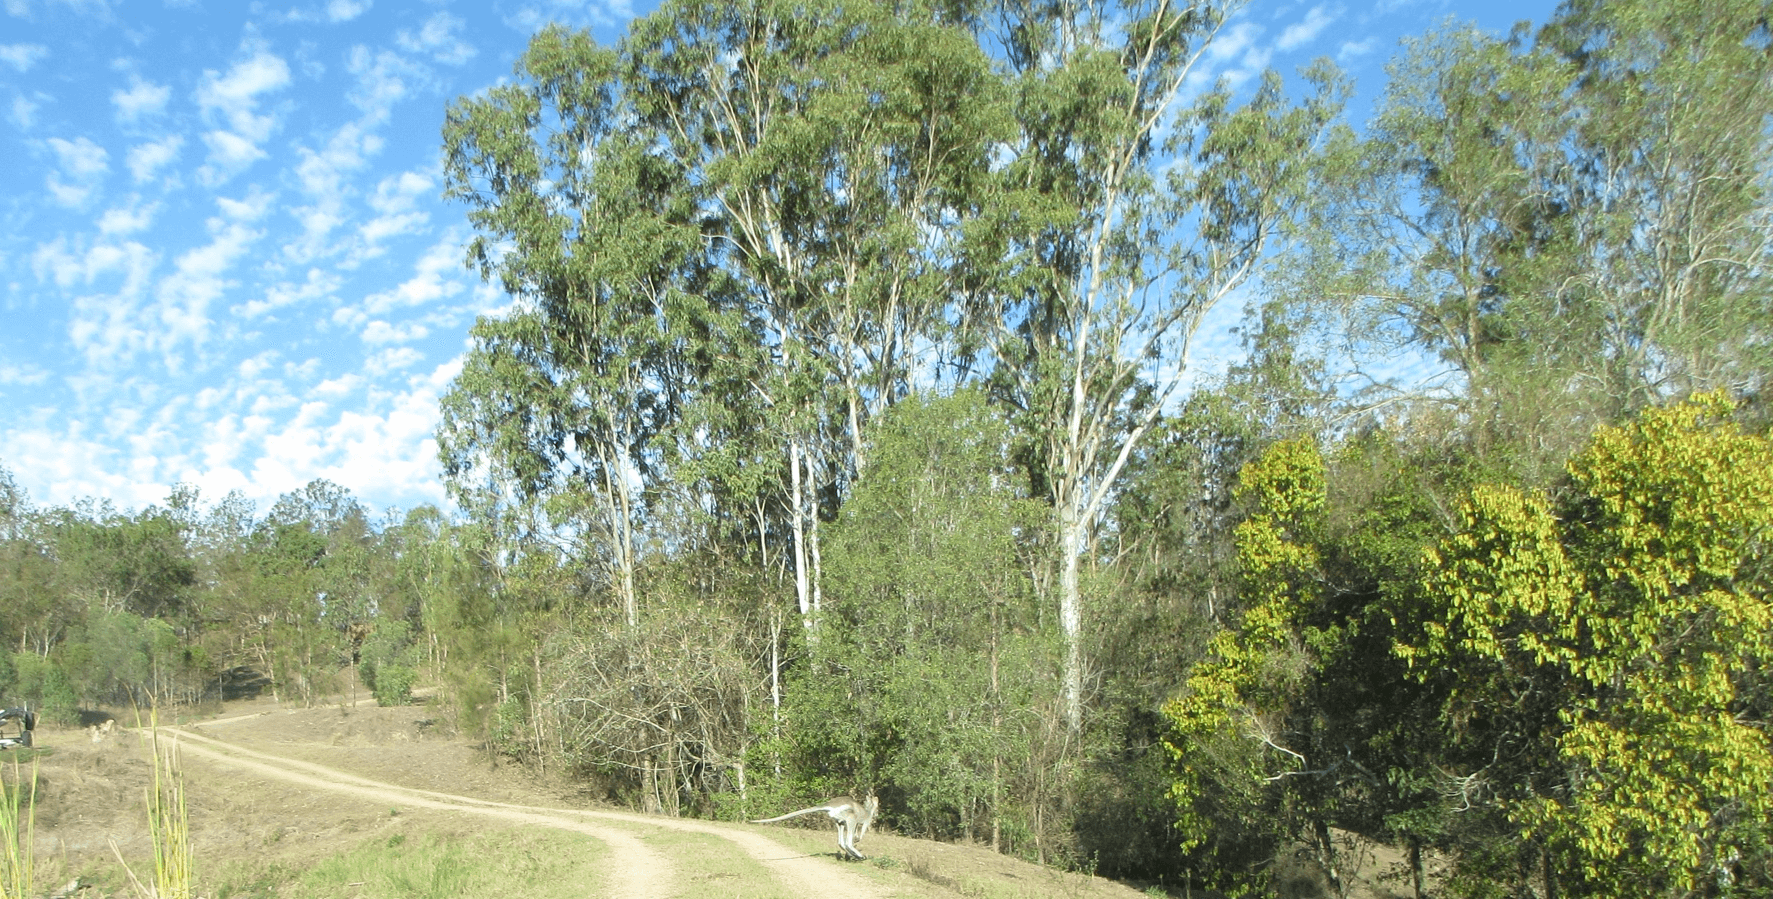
x=349, y=801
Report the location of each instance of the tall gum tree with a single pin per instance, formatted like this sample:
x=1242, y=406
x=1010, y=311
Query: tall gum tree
x=1576, y=221
x=835, y=148
x=1134, y=199
x=1668, y=177
x=731, y=241
x=594, y=238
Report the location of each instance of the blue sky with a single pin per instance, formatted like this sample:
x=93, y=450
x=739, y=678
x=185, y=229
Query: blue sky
x=224, y=257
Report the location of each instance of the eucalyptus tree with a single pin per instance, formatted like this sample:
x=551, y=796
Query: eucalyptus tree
x=730, y=240
x=839, y=148
x=1422, y=232
x=1134, y=198
x=1577, y=222
x=1668, y=177
x=598, y=241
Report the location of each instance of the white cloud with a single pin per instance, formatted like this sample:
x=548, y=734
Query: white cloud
x=228, y=153
x=122, y=220
x=22, y=374
x=249, y=208
x=349, y=148
x=24, y=111
x=438, y=38
x=144, y=98
x=319, y=284
x=531, y=17
x=200, y=276
x=250, y=368
x=391, y=359
x=323, y=177
x=396, y=193
x=146, y=159
x=394, y=202
x=63, y=464
x=338, y=388
x=1234, y=55
x=236, y=94
x=232, y=101
x=69, y=266
x=22, y=56
x=84, y=165
x=1307, y=29
x=301, y=371
x=382, y=81
x=80, y=158
x=379, y=331
x=1352, y=50
x=346, y=10
x=106, y=328
x=72, y=196
x=429, y=283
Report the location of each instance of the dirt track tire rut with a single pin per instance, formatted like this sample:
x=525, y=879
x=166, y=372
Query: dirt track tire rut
x=636, y=870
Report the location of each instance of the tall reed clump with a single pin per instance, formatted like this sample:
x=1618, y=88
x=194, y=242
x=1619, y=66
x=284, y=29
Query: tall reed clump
x=168, y=824
x=18, y=816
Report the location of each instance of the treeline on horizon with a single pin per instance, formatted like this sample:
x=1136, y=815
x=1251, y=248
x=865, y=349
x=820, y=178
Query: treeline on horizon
x=838, y=439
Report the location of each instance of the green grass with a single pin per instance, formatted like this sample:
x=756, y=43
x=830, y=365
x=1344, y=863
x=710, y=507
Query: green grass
x=18, y=815
x=546, y=864
x=711, y=866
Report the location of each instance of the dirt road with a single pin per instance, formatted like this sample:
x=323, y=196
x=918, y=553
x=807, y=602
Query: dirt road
x=636, y=870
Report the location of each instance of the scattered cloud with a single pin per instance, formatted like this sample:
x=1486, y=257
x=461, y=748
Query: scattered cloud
x=438, y=38
x=127, y=220
x=1236, y=55
x=144, y=98
x=391, y=359
x=201, y=275
x=14, y=374
x=231, y=101
x=1307, y=29
x=80, y=157
x=22, y=56
x=382, y=81
x=66, y=264
x=396, y=205
x=105, y=327
x=432, y=280
x=147, y=159
x=379, y=331
x=318, y=285
x=530, y=17
x=1353, y=50
x=324, y=177
x=251, y=367
x=83, y=164
x=346, y=10
x=24, y=111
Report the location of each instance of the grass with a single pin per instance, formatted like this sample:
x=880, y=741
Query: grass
x=720, y=867
x=548, y=864
x=18, y=817
x=169, y=827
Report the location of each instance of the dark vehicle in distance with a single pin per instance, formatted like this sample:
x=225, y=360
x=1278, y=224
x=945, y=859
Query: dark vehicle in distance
x=24, y=720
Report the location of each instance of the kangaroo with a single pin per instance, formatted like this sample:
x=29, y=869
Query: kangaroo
x=852, y=819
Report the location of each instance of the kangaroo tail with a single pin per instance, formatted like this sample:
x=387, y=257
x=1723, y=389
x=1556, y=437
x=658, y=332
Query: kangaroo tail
x=804, y=811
